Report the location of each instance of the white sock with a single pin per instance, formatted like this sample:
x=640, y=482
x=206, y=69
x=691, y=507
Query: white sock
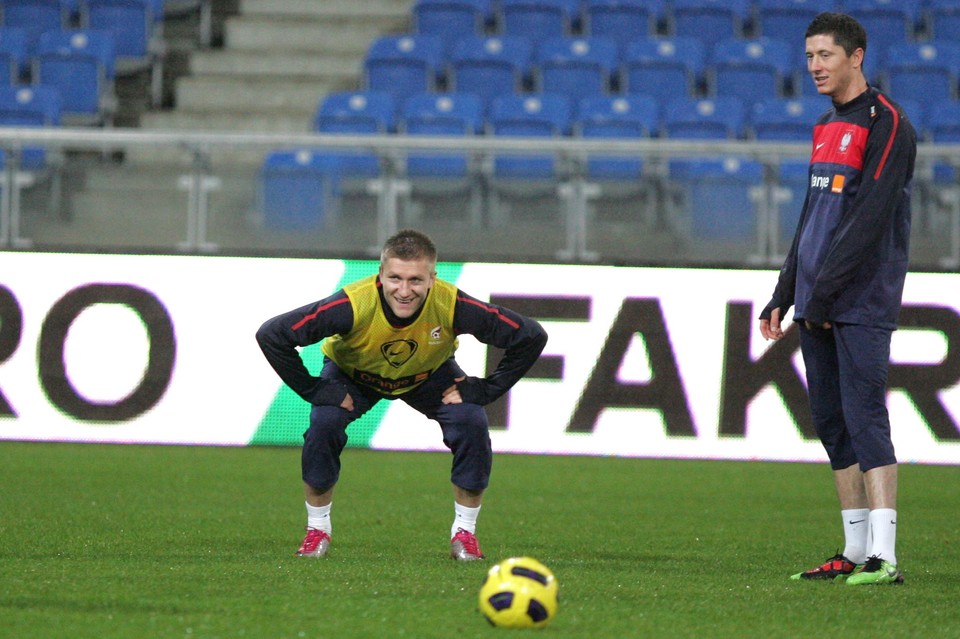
x=464, y=517
x=319, y=517
x=883, y=527
x=856, y=530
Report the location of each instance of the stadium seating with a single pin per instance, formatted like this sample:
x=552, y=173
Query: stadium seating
x=723, y=117
x=786, y=19
x=884, y=20
x=356, y=113
x=928, y=69
x=13, y=55
x=793, y=179
x=718, y=197
x=536, y=19
x=451, y=19
x=25, y=106
x=443, y=173
x=80, y=64
x=943, y=126
x=623, y=117
x=298, y=189
x=449, y=114
x=943, y=19
x=665, y=67
x=622, y=20
x=540, y=115
x=790, y=119
x=137, y=38
x=489, y=66
x=575, y=67
x=403, y=65
x=710, y=21
x=35, y=17
x=753, y=69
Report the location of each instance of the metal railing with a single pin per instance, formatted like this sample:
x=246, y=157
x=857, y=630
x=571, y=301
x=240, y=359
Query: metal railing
x=573, y=184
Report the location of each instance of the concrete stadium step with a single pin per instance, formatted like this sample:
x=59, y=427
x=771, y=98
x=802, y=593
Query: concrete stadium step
x=212, y=93
x=334, y=69
x=125, y=218
x=309, y=35
x=395, y=10
x=280, y=121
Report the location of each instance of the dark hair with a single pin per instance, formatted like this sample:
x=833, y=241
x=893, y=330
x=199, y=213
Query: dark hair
x=409, y=245
x=846, y=32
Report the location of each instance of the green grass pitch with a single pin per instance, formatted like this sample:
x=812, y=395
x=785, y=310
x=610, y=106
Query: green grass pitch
x=158, y=541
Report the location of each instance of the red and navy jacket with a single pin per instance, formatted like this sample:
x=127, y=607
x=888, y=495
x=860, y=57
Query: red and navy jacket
x=522, y=339
x=849, y=257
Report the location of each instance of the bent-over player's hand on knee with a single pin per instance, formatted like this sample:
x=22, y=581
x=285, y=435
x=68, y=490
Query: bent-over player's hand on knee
x=452, y=395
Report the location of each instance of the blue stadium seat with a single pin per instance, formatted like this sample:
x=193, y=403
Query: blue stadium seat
x=137, y=36
x=540, y=115
x=710, y=21
x=928, y=69
x=537, y=19
x=787, y=19
x=298, y=189
x=622, y=20
x=451, y=19
x=525, y=176
x=575, y=67
x=943, y=19
x=885, y=21
x=489, y=66
x=666, y=67
x=35, y=17
x=943, y=127
x=790, y=119
x=356, y=113
x=793, y=180
x=753, y=69
x=444, y=174
x=13, y=55
x=24, y=106
x=448, y=114
x=616, y=117
x=403, y=65
x=80, y=64
x=718, y=196
x=723, y=117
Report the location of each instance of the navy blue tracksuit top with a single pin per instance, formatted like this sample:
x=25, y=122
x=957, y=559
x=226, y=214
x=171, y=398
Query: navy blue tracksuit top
x=849, y=256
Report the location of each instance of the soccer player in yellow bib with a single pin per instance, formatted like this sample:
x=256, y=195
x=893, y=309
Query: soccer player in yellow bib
x=393, y=335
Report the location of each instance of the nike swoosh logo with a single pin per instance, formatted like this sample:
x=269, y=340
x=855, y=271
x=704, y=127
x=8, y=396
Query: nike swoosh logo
x=859, y=521
x=893, y=523
x=819, y=145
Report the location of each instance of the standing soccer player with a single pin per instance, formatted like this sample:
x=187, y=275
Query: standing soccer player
x=393, y=335
x=844, y=274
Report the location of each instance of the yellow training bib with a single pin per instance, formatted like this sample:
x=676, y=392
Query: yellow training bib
x=388, y=359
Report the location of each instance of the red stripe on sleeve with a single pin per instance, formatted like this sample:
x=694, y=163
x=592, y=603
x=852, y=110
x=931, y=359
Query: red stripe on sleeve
x=312, y=316
x=490, y=309
x=893, y=135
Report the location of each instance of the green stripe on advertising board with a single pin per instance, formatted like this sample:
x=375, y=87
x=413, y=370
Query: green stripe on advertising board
x=288, y=415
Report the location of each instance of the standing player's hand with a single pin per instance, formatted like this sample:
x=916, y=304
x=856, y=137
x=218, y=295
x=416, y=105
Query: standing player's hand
x=347, y=403
x=771, y=329
x=452, y=395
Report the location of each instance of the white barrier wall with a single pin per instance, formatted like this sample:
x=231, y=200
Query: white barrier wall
x=640, y=362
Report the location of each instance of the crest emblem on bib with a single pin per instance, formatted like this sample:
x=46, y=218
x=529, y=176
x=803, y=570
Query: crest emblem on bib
x=397, y=353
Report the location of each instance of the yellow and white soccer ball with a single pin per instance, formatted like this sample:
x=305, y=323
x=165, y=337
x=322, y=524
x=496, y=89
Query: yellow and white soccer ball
x=519, y=592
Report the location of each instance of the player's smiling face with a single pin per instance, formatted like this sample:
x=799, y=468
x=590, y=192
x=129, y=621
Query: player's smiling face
x=833, y=71
x=406, y=284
